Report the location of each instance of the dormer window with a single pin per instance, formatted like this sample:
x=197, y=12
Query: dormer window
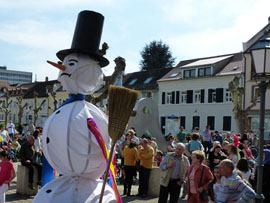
x=189, y=73
x=132, y=82
x=173, y=75
x=148, y=80
x=204, y=71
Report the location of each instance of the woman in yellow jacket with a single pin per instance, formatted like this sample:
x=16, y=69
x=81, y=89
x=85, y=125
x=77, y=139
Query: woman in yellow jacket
x=130, y=155
x=146, y=156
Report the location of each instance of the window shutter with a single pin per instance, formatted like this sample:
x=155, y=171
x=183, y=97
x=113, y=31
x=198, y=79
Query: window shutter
x=196, y=122
x=163, y=123
x=227, y=122
x=211, y=122
x=177, y=97
x=173, y=97
x=210, y=95
x=219, y=95
x=202, y=96
x=163, y=97
x=190, y=96
x=183, y=121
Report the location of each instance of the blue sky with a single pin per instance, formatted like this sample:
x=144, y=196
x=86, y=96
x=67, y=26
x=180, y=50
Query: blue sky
x=32, y=31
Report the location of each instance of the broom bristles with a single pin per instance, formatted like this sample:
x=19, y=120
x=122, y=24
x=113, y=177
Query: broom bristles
x=121, y=103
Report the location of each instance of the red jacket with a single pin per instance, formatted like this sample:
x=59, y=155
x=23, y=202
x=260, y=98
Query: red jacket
x=206, y=179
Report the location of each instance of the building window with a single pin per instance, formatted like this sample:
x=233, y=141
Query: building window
x=204, y=71
x=211, y=122
x=197, y=96
x=169, y=98
x=211, y=95
x=196, y=122
x=183, y=97
x=189, y=73
x=227, y=122
x=148, y=80
x=173, y=75
x=228, y=96
x=255, y=93
x=132, y=82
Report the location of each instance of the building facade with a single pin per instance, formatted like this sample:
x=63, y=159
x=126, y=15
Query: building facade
x=251, y=87
x=196, y=94
x=14, y=77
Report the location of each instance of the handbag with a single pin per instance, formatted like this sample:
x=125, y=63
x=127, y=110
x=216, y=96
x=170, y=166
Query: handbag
x=204, y=193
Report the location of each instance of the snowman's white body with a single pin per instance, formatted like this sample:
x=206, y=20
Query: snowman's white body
x=70, y=147
x=72, y=150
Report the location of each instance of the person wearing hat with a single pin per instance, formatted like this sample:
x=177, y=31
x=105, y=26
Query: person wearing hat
x=130, y=154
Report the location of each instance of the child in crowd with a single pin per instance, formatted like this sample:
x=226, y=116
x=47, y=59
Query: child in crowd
x=158, y=157
x=233, y=154
x=215, y=184
x=7, y=174
x=248, y=153
x=194, y=144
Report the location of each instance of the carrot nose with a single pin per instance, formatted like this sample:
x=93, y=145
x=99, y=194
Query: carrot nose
x=59, y=66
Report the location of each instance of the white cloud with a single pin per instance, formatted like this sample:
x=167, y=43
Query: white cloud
x=219, y=39
x=41, y=34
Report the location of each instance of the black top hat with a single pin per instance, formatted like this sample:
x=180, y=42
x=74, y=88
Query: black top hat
x=86, y=38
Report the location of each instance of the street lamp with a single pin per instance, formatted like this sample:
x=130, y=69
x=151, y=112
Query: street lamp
x=260, y=53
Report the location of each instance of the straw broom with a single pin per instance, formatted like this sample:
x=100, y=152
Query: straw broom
x=121, y=103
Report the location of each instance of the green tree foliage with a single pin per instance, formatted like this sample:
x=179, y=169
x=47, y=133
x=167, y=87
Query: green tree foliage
x=156, y=55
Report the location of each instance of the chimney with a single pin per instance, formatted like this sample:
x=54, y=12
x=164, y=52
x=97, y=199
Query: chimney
x=46, y=79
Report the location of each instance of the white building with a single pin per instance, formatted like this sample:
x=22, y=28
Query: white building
x=251, y=86
x=195, y=93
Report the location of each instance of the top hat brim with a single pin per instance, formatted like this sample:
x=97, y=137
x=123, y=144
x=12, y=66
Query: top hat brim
x=102, y=60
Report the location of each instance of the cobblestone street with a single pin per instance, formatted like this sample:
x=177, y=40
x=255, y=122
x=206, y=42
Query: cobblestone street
x=11, y=195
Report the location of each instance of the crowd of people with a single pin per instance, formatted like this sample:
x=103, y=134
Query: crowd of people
x=204, y=167
x=23, y=144
x=207, y=167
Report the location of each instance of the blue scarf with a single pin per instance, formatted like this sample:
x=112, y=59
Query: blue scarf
x=73, y=98
x=47, y=170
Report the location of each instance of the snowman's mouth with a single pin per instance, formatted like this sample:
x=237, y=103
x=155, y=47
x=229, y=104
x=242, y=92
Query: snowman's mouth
x=68, y=74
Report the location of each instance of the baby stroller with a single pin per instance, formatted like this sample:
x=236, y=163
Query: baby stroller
x=12, y=154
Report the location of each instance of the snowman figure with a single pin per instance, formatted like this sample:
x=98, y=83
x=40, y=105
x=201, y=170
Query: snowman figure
x=69, y=146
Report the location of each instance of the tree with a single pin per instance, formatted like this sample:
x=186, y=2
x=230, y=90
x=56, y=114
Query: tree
x=156, y=55
x=5, y=106
x=240, y=114
x=21, y=108
x=36, y=107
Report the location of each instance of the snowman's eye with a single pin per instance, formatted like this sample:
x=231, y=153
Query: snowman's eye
x=72, y=62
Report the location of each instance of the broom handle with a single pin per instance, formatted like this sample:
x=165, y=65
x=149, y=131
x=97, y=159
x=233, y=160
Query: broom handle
x=106, y=172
